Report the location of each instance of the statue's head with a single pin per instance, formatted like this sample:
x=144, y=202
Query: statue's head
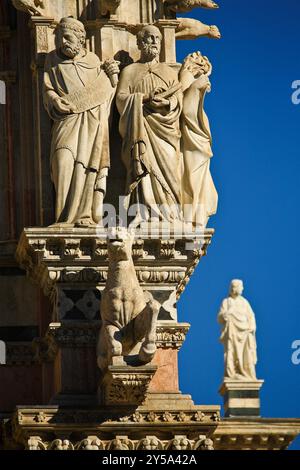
x=149, y=42
x=236, y=287
x=71, y=36
x=119, y=243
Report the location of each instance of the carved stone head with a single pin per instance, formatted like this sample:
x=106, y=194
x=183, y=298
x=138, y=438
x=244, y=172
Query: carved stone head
x=120, y=244
x=70, y=37
x=149, y=42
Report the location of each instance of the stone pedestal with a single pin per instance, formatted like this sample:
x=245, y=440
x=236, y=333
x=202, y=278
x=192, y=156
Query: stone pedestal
x=70, y=266
x=125, y=385
x=241, y=398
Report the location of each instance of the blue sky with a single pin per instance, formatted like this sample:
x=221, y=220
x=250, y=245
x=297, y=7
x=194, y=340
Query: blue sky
x=256, y=168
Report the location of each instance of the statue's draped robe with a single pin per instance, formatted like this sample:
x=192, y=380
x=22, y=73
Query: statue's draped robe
x=238, y=337
x=84, y=134
x=199, y=195
x=151, y=138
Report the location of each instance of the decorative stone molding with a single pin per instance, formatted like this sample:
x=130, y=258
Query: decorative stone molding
x=171, y=335
x=59, y=444
x=150, y=443
x=50, y=417
x=36, y=443
x=90, y=443
x=119, y=443
x=180, y=443
x=125, y=385
x=72, y=256
x=81, y=335
x=258, y=434
x=204, y=443
x=255, y=434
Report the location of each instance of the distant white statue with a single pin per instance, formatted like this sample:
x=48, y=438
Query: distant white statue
x=238, y=336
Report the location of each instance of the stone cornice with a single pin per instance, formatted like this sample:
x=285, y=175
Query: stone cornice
x=53, y=255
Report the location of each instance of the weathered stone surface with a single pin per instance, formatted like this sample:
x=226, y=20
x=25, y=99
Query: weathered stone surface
x=195, y=429
x=255, y=434
x=62, y=257
x=125, y=385
x=128, y=314
x=80, y=109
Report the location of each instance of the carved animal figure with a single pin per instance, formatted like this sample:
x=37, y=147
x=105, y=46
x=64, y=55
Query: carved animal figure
x=189, y=28
x=108, y=7
x=29, y=6
x=188, y=5
x=128, y=314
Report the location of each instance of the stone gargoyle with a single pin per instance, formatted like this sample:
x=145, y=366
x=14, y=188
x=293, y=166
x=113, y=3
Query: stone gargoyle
x=129, y=315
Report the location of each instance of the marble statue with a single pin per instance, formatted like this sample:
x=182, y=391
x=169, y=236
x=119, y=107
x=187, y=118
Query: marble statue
x=149, y=99
x=188, y=5
x=128, y=314
x=238, y=336
x=33, y=7
x=199, y=197
x=189, y=28
x=78, y=92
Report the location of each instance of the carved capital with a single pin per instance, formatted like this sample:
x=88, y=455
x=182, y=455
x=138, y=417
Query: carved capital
x=171, y=335
x=125, y=385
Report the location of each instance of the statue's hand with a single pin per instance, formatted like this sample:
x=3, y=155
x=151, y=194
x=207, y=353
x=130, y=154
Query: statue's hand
x=63, y=106
x=156, y=101
x=112, y=70
x=202, y=83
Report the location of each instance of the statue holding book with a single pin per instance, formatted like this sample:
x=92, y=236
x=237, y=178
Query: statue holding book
x=149, y=99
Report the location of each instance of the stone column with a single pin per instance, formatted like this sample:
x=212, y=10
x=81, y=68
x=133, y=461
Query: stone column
x=42, y=31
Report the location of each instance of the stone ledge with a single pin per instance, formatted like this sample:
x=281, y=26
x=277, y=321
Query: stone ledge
x=51, y=426
x=79, y=255
x=185, y=429
x=255, y=434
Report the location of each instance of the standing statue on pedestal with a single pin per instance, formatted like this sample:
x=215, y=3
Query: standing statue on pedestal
x=149, y=99
x=78, y=92
x=199, y=197
x=238, y=336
